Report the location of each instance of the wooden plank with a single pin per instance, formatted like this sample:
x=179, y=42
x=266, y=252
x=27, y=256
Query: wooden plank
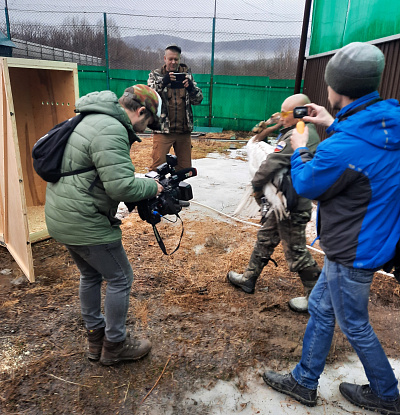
x=16, y=232
x=42, y=99
x=39, y=236
x=41, y=64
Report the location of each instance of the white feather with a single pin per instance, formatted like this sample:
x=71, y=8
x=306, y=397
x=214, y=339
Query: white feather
x=257, y=152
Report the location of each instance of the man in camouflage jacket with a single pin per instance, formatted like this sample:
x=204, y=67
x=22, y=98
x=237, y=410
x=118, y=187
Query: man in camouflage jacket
x=176, y=111
x=291, y=231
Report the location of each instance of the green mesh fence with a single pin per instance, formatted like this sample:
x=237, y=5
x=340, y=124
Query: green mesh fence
x=239, y=102
x=335, y=23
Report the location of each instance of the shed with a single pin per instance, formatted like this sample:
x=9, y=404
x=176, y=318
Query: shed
x=6, y=45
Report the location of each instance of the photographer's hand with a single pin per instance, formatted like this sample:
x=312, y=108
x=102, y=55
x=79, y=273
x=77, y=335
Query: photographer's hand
x=166, y=80
x=188, y=84
x=299, y=140
x=159, y=188
x=318, y=115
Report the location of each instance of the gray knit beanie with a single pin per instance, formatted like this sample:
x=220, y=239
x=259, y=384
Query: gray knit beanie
x=355, y=70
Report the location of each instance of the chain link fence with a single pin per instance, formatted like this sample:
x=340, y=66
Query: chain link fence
x=238, y=37
x=243, y=52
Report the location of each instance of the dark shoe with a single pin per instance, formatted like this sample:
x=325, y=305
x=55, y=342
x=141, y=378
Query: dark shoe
x=95, y=338
x=287, y=385
x=129, y=349
x=241, y=281
x=362, y=396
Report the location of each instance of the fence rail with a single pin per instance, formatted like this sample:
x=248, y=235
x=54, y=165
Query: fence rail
x=30, y=50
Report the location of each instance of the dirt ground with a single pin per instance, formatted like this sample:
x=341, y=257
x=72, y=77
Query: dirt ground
x=202, y=329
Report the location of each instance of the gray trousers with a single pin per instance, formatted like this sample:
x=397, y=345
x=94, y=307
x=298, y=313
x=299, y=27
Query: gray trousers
x=108, y=261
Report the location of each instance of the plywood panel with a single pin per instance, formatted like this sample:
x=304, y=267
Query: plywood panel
x=42, y=99
x=15, y=233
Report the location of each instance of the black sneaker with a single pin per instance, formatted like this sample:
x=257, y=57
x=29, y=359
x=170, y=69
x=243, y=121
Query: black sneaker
x=362, y=396
x=287, y=385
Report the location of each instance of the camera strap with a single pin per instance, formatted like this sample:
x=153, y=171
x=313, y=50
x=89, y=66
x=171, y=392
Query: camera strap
x=160, y=241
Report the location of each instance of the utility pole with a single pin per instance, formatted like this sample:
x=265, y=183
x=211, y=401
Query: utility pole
x=7, y=20
x=302, y=50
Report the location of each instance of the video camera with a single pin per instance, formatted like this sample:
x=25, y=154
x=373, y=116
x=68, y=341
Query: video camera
x=175, y=195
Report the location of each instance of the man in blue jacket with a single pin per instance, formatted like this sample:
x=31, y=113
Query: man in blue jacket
x=355, y=176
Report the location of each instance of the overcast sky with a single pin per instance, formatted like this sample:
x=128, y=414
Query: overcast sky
x=268, y=18
x=262, y=8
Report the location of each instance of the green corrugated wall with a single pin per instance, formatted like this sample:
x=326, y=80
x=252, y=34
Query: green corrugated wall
x=239, y=102
x=336, y=23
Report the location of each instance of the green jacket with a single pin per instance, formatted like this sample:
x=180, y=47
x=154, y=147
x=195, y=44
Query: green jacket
x=77, y=214
x=280, y=159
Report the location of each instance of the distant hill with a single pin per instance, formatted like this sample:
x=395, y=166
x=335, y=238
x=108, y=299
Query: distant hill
x=241, y=49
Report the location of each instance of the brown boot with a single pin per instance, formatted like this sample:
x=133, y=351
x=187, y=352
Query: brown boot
x=95, y=338
x=128, y=349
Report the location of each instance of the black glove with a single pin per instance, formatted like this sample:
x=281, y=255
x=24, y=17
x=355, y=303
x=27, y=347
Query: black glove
x=166, y=80
x=190, y=87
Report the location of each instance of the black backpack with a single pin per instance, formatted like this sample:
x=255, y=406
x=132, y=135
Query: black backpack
x=48, y=151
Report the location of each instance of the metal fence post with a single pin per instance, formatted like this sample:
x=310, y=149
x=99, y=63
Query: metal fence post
x=106, y=51
x=302, y=49
x=7, y=21
x=210, y=94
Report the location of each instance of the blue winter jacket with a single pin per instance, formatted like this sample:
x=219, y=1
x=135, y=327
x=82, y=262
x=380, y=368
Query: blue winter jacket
x=355, y=176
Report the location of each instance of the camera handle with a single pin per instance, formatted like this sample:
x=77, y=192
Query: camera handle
x=160, y=241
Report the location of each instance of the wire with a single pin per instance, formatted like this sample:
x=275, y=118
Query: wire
x=255, y=224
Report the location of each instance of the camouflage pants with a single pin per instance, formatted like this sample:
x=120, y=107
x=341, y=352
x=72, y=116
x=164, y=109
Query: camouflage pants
x=292, y=233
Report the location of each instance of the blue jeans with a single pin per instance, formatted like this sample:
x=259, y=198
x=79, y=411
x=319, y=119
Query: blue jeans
x=342, y=294
x=108, y=261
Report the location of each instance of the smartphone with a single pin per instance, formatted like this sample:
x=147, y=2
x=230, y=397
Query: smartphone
x=300, y=112
x=178, y=83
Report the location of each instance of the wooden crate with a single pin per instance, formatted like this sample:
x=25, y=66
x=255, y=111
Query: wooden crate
x=36, y=95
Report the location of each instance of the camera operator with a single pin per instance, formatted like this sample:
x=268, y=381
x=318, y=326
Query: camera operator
x=292, y=230
x=355, y=176
x=178, y=96
x=80, y=212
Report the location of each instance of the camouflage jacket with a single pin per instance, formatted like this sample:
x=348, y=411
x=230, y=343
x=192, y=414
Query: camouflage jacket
x=281, y=158
x=194, y=97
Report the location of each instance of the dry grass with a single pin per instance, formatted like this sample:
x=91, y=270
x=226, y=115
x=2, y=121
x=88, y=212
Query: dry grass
x=141, y=152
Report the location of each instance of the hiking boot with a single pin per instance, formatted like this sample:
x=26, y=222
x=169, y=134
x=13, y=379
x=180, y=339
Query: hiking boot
x=299, y=304
x=247, y=284
x=128, y=349
x=95, y=338
x=362, y=396
x=287, y=385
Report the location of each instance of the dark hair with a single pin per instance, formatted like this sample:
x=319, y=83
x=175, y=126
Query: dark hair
x=174, y=48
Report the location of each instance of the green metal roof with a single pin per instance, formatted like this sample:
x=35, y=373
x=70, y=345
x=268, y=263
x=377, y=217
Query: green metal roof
x=5, y=41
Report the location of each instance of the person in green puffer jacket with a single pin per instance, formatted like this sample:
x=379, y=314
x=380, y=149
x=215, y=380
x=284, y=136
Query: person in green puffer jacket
x=80, y=212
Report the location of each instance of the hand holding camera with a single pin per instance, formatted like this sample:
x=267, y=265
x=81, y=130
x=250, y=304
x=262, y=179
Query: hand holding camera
x=178, y=80
x=317, y=115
